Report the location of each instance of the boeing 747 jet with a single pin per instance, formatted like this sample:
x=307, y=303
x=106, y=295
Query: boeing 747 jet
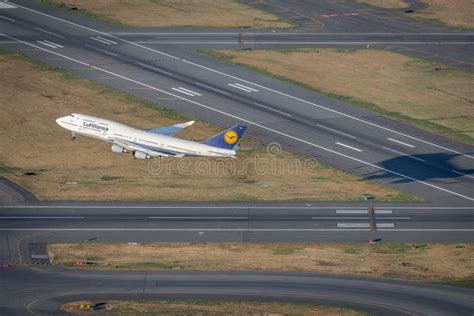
x=155, y=142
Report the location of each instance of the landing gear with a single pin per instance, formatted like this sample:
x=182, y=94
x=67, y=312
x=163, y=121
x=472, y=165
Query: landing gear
x=73, y=137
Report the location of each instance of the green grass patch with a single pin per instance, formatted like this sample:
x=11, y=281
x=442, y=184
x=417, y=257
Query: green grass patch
x=391, y=248
x=285, y=251
x=352, y=250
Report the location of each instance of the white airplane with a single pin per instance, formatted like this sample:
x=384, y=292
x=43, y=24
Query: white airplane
x=155, y=142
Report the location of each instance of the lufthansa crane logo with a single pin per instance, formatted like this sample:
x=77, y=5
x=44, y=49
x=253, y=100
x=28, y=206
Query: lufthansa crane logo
x=231, y=137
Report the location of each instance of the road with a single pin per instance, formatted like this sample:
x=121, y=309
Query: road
x=43, y=289
x=415, y=161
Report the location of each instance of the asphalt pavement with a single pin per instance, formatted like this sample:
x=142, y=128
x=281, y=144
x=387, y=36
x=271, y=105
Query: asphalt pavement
x=415, y=161
x=42, y=289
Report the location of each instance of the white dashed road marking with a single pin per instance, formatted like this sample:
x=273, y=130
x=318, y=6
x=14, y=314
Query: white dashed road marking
x=347, y=146
x=401, y=143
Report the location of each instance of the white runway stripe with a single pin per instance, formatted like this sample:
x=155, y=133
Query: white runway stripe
x=364, y=225
x=190, y=91
x=237, y=87
x=271, y=109
x=402, y=154
x=362, y=211
x=198, y=217
x=245, y=87
x=54, y=44
x=107, y=40
x=4, y=5
x=401, y=143
x=99, y=40
x=46, y=44
x=184, y=92
x=7, y=18
x=463, y=174
x=48, y=32
x=347, y=146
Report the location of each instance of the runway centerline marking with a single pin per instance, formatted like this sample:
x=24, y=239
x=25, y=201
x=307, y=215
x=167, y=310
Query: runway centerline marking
x=364, y=225
x=237, y=87
x=49, y=44
x=249, y=82
x=41, y=217
x=402, y=153
x=362, y=211
x=48, y=32
x=7, y=18
x=155, y=68
x=190, y=91
x=359, y=218
x=350, y=147
x=198, y=217
x=272, y=109
x=336, y=131
x=463, y=174
x=210, y=88
x=184, y=92
x=401, y=143
x=244, y=120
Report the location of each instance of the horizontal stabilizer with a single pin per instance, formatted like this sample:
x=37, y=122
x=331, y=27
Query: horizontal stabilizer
x=169, y=130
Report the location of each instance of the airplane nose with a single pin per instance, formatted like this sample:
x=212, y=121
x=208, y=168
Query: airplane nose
x=59, y=121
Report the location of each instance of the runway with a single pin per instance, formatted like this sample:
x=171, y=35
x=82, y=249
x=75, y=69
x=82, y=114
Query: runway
x=44, y=289
x=161, y=66
x=304, y=122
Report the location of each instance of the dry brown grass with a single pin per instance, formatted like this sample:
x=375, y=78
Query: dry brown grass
x=457, y=13
x=441, y=101
x=32, y=98
x=430, y=263
x=387, y=4
x=211, y=308
x=171, y=13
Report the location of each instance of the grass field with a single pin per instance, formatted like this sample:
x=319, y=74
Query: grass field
x=391, y=84
x=431, y=262
x=386, y=4
x=455, y=13
x=200, y=307
x=32, y=97
x=173, y=13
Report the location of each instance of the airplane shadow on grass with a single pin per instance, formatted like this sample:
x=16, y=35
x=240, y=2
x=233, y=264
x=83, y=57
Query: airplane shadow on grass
x=421, y=167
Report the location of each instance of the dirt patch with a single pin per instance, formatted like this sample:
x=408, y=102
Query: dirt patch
x=172, y=13
x=39, y=155
x=210, y=308
x=432, y=262
x=421, y=93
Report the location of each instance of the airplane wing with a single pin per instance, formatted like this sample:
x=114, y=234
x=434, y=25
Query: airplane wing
x=133, y=147
x=169, y=130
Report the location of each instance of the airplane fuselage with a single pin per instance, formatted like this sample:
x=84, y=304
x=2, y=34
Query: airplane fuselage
x=142, y=143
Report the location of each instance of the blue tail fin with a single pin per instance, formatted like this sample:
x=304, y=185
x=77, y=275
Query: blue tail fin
x=227, y=139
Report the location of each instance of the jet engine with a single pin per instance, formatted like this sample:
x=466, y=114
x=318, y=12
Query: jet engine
x=118, y=149
x=141, y=155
